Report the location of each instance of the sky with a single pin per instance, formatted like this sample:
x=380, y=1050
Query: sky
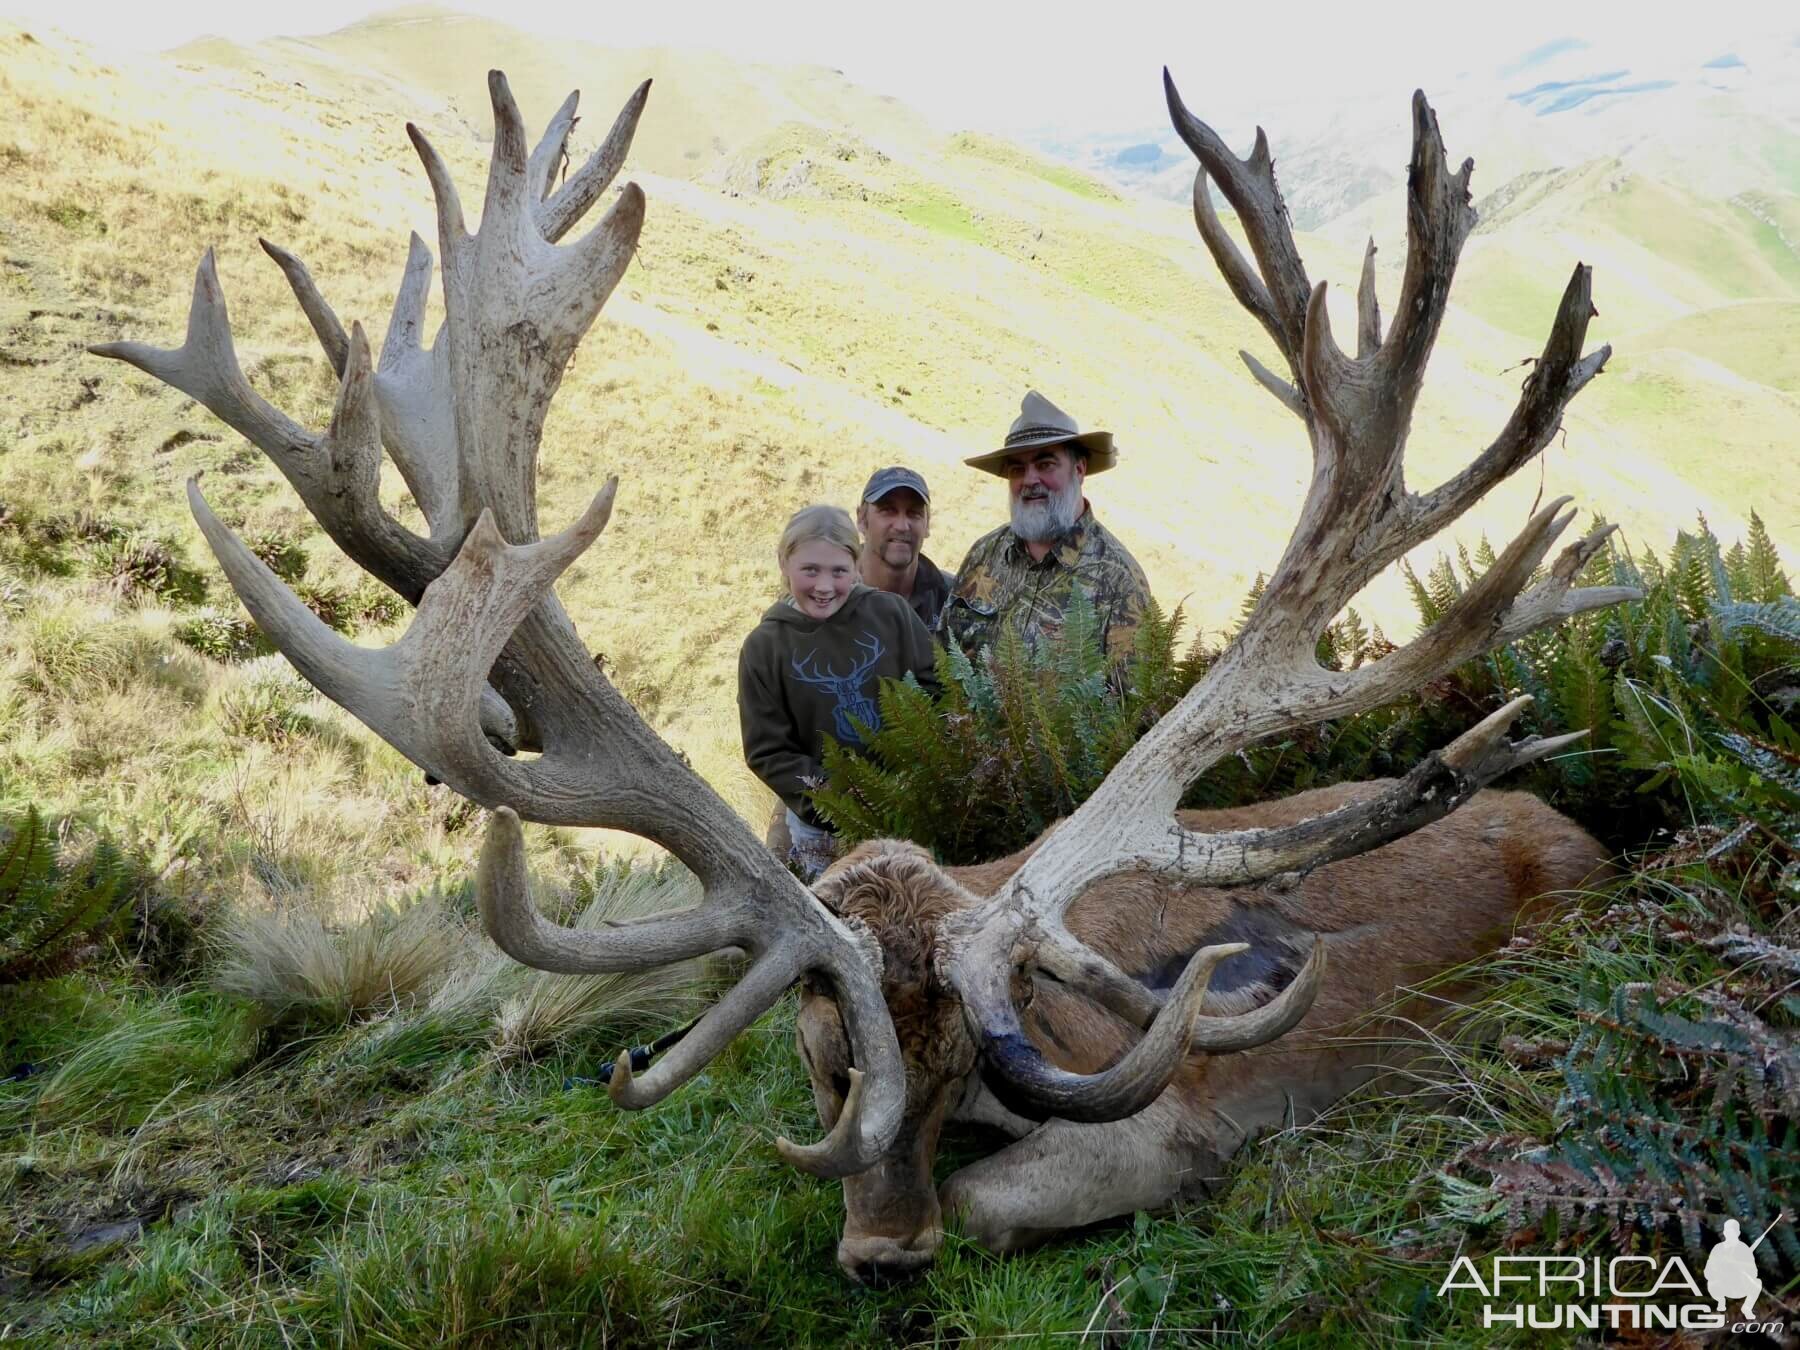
x=1014, y=67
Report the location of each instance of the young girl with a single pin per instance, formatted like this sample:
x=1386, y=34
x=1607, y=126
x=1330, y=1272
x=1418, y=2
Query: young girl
x=814, y=665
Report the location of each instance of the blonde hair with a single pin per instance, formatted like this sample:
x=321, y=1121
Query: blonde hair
x=820, y=521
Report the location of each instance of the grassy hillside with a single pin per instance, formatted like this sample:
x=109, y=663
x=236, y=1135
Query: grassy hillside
x=822, y=287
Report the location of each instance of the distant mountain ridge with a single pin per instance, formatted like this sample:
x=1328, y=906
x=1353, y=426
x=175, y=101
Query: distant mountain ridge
x=1720, y=122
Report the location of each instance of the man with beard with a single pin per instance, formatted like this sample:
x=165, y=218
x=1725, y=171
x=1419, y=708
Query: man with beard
x=1028, y=572
x=895, y=520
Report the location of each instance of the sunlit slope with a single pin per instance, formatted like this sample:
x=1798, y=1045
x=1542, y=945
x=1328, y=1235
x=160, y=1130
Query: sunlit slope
x=1701, y=301
x=826, y=289
x=707, y=105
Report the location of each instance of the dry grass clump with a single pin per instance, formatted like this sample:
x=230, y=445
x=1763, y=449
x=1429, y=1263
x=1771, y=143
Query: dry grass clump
x=534, y=1010
x=297, y=968
x=264, y=700
x=63, y=650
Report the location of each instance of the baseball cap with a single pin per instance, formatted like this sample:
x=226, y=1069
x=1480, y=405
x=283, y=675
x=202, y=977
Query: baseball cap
x=884, y=481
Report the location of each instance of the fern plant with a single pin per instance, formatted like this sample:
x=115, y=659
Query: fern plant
x=52, y=909
x=1020, y=736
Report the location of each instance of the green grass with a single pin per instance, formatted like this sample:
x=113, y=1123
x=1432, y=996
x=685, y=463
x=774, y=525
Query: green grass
x=940, y=213
x=1718, y=244
x=1069, y=179
x=329, y=1199
x=1759, y=340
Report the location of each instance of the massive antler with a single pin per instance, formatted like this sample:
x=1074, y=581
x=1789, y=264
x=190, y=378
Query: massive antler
x=1358, y=517
x=463, y=421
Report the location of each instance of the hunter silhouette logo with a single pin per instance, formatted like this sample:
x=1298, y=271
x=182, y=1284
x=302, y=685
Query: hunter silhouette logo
x=1731, y=1269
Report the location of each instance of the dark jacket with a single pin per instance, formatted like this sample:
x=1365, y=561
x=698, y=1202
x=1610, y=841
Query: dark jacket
x=800, y=680
x=931, y=592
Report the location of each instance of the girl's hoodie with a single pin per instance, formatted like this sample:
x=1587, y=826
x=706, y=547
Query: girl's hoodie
x=801, y=679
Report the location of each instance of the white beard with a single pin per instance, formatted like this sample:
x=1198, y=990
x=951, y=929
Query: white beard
x=1050, y=518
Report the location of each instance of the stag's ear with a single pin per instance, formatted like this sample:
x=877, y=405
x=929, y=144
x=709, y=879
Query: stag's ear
x=829, y=888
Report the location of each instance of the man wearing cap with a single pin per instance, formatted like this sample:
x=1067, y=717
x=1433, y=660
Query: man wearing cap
x=1028, y=571
x=895, y=520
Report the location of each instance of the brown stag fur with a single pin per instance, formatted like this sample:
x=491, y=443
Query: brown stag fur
x=1400, y=915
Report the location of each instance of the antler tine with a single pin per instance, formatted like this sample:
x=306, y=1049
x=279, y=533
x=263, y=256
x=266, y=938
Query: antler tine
x=789, y=934
x=1288, y=395
x=509, y=196
x=1249, y=185
x=1028, y=1083
x=1439, y=218
x=318, y=311
x=412, y=385
x=337, y=474
x=1368, y=308
x=1245, y=284
x=508, y=288
x=205, y=368
x=1558, y=374
x=558, y=214
x=422, y=694
x=552, y=149
x=416, y=424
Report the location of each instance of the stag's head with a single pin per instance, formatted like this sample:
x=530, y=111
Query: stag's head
x=959, y=1022
x=891, y=950
x=892, y=1224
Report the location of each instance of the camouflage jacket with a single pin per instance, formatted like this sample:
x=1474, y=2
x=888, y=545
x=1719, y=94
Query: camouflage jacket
x=998, y=582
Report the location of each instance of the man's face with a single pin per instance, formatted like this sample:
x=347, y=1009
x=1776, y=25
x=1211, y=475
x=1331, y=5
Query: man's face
x=896, y=526
x=1044, y=487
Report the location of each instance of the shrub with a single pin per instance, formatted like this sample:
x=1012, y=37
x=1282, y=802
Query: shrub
x=140, y=565
x=267, y=704
x=526, y=1011
x=375, y=606
x=56, y=904
x=1019, y=738
x=64, y=651
x=223, y=636
x=283, y=553
x=297, y=969
x=1679, y=1101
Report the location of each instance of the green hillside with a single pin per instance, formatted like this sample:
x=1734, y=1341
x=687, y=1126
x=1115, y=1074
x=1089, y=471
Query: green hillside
x=823, y=286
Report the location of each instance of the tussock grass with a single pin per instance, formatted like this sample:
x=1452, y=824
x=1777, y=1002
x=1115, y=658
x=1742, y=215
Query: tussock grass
x=530, y=1012
x=297, y=969
x=263, y=700
x=67, y=651
x=158, y=1049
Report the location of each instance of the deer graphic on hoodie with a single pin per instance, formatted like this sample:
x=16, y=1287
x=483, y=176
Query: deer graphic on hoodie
x=801, y=679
